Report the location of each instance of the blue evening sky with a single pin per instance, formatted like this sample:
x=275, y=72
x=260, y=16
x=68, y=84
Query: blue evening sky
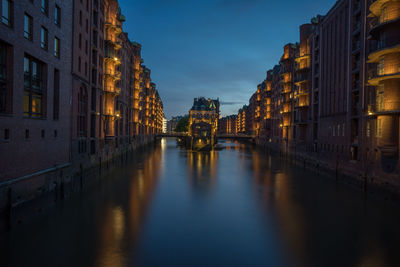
x=214, y=48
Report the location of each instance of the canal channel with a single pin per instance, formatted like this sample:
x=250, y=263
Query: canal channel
x=236, y=206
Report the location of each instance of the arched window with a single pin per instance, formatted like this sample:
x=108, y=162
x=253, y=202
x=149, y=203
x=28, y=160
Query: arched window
x=82, y=112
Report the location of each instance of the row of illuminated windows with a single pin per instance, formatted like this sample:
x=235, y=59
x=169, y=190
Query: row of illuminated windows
x=7, y=11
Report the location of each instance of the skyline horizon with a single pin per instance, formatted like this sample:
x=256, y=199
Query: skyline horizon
x=239, y=58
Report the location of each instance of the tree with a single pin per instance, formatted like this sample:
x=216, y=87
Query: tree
x=183, y=125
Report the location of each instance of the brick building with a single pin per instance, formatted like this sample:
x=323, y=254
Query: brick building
x=334, y=95
x=35, y=87
x=85, y=96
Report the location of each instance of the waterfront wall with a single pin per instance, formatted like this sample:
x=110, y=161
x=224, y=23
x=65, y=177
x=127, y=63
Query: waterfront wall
x=364, y=175
x=59, y=182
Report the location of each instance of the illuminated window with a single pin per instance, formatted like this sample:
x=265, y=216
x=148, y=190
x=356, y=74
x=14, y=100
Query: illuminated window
x=33, y=88
x=383, y=17
x=380, y=97
x=379, y=128
x=381, y=67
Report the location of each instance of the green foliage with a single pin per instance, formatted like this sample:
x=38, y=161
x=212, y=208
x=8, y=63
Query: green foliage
x=183, y=125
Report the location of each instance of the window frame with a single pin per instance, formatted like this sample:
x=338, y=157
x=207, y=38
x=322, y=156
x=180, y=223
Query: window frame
x=34, y=88
x=44, y=9
x=28, y=35
x=57, y=15
x=57, y=47
x=8, y=21
x=45, y=45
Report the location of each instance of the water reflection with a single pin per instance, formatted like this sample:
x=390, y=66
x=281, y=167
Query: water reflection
x=236, y=206
x=202, y=169
x=121, y=225
x=322, y=223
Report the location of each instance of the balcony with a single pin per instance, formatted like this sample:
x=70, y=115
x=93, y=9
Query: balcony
x=112, y=89
x=117, y=44
x=302, y=67
x=375, y=110
x=301, y=92
x=116, y=75
x=302, y=56
x=117, y=27
x=380, y=48
x=302, y=104
x=377, y=24
x=376, y=6
x=301, y=78
x=300, y=121
x=389, y=71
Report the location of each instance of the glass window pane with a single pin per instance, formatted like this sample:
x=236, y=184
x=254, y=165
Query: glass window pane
x=5, y=14
x=26, y=103
x=37, y=104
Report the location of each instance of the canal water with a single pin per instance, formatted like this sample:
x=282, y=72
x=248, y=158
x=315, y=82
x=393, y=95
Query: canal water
x=235, y=206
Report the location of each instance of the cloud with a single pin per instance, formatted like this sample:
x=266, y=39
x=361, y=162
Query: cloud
x=230, y=103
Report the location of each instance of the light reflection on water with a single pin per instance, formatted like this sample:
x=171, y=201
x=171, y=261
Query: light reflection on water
x=237, y=206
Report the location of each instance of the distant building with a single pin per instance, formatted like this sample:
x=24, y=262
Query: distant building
x=172, y=123
x=205, y=110
x=228, y=125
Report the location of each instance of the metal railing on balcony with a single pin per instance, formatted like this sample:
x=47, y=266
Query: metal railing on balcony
x=300, y=77
x=377, y=21
x=375, y=46
x=386, y=70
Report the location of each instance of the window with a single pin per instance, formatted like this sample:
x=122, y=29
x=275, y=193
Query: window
x=383, y=18
x=379, y=128
x=79, y=64
x=6, y=12
x=57, y=16
x=28, y=27
x=381, y=67
x=56, y=47
x=56, y=95
x=380, y=97
x=26, y=133
x=44, y=35
x=82, y=112
x=80, y=18
x=45, y=6
x=3, y=78
x=343, y=129
x=33, y=88
x=80, y=41
x=368, y=129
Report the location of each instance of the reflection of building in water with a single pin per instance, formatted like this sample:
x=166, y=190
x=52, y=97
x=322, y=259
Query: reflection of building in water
x=318, y=221
x=202, y=169
x=122, y=225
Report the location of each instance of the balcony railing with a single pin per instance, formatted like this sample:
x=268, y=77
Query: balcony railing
x=375, y=46
x=386, y=70
x=300, y=77
x=112, y=89
x=377, y=21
